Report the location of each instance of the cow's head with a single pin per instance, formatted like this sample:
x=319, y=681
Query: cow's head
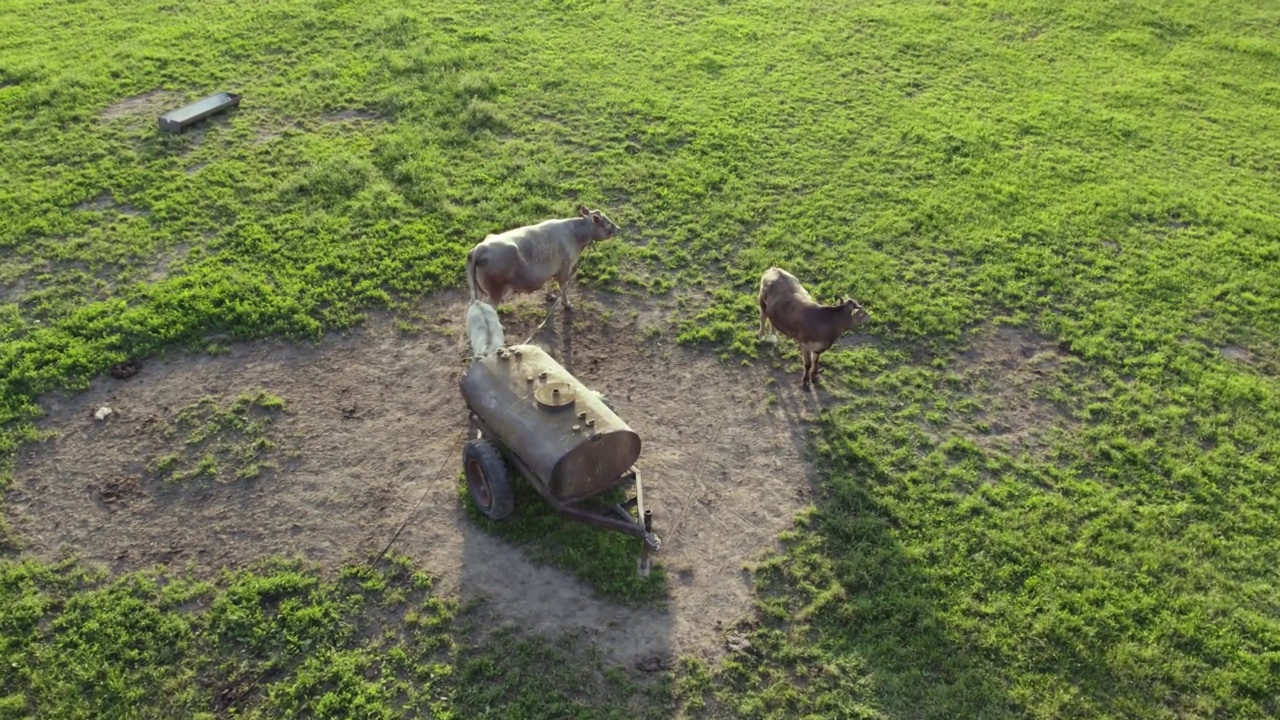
x=602, y=228
x=856, y=313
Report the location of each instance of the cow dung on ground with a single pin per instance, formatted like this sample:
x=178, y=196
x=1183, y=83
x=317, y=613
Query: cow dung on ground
x=722, y=467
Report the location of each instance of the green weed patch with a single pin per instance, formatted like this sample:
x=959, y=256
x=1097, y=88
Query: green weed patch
x=220, y=444
x=271, y=641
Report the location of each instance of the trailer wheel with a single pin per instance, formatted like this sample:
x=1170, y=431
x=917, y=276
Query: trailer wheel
x=488, y=479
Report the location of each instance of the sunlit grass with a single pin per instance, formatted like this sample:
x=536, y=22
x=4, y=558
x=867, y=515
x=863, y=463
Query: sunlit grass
x=1099, y=175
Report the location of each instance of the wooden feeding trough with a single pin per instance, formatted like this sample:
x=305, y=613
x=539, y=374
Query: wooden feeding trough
x=530, y=414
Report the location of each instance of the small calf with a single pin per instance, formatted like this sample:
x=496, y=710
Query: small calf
x=787, y=306
x=526, y=258
x=484, y=329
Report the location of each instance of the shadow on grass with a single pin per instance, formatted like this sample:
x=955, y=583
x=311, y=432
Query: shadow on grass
x=850, y=622
x=604, y=560
x=283, y=639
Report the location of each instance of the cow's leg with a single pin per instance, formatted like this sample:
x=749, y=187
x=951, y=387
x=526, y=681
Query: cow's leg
x=764, y=321
x=548, y=294
x=813, y=374
x=562, y=280
x=804, y=379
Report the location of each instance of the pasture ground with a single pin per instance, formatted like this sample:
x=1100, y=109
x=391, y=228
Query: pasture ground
x=364, y=426
x=1040, y=483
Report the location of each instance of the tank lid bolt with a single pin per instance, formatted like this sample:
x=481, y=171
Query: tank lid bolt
x=518, y=353
x=591, y=422
x=582, y=414
x=543, y=374
x=528, y=378
x=576, y=428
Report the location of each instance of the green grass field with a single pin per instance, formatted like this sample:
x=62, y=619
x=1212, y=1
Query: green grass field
x=1099, y=178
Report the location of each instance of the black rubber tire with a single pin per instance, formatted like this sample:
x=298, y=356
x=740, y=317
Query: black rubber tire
x=487, y=479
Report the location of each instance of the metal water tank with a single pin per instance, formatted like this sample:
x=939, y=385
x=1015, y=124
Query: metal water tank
x=563, y=432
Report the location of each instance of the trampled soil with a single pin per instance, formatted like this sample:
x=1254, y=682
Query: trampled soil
x=371, y=418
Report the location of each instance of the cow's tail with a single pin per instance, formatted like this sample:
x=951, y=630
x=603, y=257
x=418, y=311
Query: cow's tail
x=471, y=272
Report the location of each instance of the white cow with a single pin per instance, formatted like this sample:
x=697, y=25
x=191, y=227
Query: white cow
x=525, y=259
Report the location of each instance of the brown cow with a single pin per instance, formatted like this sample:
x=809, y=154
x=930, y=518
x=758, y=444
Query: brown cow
x=526, y=258
x=786, y=305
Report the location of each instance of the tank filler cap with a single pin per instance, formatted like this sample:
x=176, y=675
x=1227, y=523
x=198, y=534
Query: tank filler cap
x=556, y=394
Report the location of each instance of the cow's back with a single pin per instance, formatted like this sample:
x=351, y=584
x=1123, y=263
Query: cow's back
x=784, y=299
x=545, y=245
x=779, y=287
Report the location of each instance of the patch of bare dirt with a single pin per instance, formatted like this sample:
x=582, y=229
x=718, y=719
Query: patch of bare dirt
x=1260, y=357
x=167, y=260
x=266, y=133
x=194, y=135
x=1236, y=353
x=105, y=201
x=116, y=493
x=148, y=104
x=372, y=418
x=350, y=116
x=550, y=119
x=15, y=280
x=1009, y=371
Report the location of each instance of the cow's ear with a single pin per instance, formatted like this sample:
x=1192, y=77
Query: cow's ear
x=583, y=211
x=595, y=218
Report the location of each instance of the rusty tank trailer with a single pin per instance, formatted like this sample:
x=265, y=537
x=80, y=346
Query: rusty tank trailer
x=531, y=414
